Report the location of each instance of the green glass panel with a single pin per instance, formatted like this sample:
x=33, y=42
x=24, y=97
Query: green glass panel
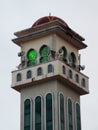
x=44, y=54
x=78, y=117
x=44, y=51
x=44, y=59
x=27, y=120
x=38, y=113
x=62, y=111
x=49, y=120
x=31, y=62
x=70, y=114
x=31, y=54
x=27, y=128
x=27, y=114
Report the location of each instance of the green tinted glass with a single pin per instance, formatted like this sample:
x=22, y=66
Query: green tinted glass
x=70, y=114
x=49, y=120
x=44, y=51
x=27, y=114
x=38, y=113
x=62, y=111
x=44, y=59
x=31, y=55
x=78, y=117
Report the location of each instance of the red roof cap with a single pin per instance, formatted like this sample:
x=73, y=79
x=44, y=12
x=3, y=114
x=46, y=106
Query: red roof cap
x=47, y=19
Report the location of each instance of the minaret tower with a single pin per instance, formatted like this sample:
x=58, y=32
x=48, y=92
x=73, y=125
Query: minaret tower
x=49, y=76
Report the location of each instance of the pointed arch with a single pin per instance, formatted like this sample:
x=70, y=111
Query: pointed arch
x=50, y=68
x=78, y=118
x=18, y=77
x=27, y=114
x=70, y=116
x=61, y=111
x=72, y=59
x=44, y=54
x=29, y=74
x=49, y=112
x=38, y=113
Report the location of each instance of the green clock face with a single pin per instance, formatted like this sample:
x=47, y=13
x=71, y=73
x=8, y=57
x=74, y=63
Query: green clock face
x=32, y=55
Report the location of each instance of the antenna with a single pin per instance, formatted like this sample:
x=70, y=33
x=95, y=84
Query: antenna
x=49, y=14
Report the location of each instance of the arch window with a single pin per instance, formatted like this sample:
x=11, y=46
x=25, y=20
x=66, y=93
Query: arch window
x=70, y=74
x=44, y=54
x=19, y=77
x=70, y=118
x=78, y=118
x=83, y=82
x=31, y=56
x=63, y=53
x=38, y=114
x=63, y=69
x=39, y=71
x=49, y=112
x=72, y=60
x=29, y=74
x=50, y=68
x=77, y=78
x=27, y=113
x=61, y=112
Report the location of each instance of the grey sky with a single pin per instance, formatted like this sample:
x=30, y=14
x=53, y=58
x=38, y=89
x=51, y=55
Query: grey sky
x=16, y=15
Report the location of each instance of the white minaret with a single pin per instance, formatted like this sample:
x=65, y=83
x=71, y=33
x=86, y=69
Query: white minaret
x=48, y=76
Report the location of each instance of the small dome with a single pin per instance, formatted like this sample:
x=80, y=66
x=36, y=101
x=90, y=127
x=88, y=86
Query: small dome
x=47, y=19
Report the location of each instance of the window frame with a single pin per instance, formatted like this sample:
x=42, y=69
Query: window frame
x=50, y=70
x=68, y=113
x=70, y=74
x=60, y=127
x=78, y=117
x=41, y=111
x=28, y=76
x=83, y=82
x=39, y=71
x=31, y=115
x=77, y=78
x=63, y=69
x=52, y=109
x=19, y=77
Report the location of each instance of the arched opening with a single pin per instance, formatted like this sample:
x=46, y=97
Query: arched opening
x=44, y=54
x=70, y=118
x=27, y=114
x=77, y=78
x=63, y=54
x=70, y=74
x=29, y=74
x=83, y=82
x=39, y=71
x=72, y=60
x=19, y=77
x=78, y=118
x=62, y=112
x=31, y=56
x=50, y=68
x=49, y=112
x=38, y=114
x=63, y=69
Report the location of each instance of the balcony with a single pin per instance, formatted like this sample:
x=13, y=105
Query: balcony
x=60, y=71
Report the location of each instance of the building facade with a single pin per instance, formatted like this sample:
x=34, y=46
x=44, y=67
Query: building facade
x=49, y=76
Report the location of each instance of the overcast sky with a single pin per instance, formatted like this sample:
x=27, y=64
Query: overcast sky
x=16, y=15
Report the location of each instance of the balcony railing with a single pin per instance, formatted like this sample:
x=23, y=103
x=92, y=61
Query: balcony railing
x=60, y=70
